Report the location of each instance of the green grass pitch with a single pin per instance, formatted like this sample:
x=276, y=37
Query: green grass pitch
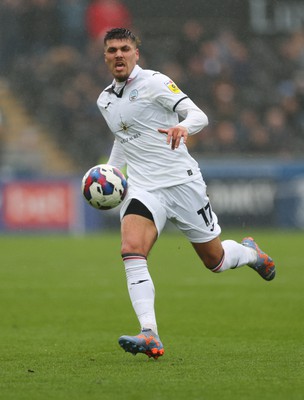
x=64, y=303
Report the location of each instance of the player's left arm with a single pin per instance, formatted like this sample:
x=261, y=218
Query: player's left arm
x=175, y=134
x=194, y=121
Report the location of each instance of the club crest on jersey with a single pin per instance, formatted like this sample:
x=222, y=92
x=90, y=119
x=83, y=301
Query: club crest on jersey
x=172, y=87
x=133, y=95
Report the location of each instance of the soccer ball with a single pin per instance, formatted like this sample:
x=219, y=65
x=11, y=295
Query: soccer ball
x=104, y=186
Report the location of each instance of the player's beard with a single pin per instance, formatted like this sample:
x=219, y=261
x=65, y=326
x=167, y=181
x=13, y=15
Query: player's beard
x=121, y=76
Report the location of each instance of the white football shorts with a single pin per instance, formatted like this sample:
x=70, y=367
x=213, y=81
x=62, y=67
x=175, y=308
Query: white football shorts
x=187, y=206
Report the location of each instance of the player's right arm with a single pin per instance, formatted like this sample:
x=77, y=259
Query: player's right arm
x=117, y=156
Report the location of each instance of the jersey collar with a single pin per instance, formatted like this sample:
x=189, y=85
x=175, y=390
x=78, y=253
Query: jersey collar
x=132, y=76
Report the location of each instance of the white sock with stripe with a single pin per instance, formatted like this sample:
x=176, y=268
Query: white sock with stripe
x=235, y=255
x=141, y=289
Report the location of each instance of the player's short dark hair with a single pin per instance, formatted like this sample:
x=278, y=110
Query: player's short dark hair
x=121, y=33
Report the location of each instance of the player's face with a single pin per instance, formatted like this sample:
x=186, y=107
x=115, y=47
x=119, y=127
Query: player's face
x=121, y=56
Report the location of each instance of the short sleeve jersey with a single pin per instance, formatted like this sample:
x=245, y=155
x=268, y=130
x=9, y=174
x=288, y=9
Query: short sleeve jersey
x=147, y=102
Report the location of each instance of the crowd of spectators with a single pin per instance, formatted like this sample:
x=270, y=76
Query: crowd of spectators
x=252, y=88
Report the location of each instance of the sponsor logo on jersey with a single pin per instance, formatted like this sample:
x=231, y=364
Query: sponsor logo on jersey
x=133, y=95
x=129, y=139
x=173, y=87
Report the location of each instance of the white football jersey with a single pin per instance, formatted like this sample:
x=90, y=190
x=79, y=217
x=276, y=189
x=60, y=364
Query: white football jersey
x=146, y=102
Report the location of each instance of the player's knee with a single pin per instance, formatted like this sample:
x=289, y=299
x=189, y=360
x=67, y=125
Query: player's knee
x=128, y=247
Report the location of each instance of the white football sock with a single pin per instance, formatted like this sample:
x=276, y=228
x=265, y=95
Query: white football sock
x=141, y=290
x=235, y=255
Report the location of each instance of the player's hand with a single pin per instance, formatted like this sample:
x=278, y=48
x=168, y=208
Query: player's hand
x=174, y=135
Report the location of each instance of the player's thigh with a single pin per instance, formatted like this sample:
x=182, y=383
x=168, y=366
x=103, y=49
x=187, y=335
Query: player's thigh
x=192, y=213
x=151, y=201
x=138, y=234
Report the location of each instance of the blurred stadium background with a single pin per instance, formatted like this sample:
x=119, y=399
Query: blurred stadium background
x=241, y=61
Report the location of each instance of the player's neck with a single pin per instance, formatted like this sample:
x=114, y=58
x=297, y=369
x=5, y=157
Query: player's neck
x=119, y=84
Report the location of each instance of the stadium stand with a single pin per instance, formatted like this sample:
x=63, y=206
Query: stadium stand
x=252, y=88
x=27, y=147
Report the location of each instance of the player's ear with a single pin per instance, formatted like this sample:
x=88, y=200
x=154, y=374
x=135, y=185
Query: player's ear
x=137, y=54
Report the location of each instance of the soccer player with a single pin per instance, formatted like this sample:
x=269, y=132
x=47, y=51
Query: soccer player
x=151, y=119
